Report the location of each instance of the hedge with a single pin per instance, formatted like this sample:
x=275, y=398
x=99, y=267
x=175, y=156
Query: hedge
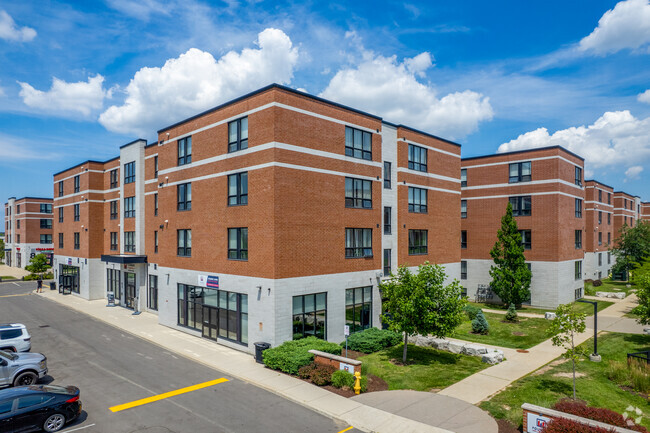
x=292, y=355
x=563, y=425
x=372, y=340
x=596, y=413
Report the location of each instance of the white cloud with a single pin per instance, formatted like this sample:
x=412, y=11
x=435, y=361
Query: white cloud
x=14, y=148
x=65, y=98
x=633, y=173
x=615, y=139
x=196, y=81
x=10, y=32
x=644, y=97
x=140, y=9
x=386, y=87
x=627, y=26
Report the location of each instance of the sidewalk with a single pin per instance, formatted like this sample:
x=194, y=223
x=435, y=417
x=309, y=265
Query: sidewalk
x=6, y=271
x=243, y=366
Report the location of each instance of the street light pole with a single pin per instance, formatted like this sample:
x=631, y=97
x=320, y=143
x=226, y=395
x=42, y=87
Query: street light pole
x=595, y=357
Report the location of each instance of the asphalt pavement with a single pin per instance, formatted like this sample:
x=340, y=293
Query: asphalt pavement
x=113, y=368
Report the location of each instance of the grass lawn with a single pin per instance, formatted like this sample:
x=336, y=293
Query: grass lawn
x=549, y=384
x=426, y=368
x=608, y=286
x=524, y=334
x=582, y=307
x=5, y=277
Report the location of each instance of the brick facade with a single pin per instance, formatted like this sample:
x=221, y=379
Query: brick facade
x=28, y=229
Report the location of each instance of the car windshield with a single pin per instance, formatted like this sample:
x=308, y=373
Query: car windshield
x=8, y=355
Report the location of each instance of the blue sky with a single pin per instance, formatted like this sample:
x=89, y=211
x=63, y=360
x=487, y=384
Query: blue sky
x=79, y=79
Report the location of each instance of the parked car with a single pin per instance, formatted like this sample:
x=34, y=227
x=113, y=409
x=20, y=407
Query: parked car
x=15, y=338
x=21, y=368
x=38, y=407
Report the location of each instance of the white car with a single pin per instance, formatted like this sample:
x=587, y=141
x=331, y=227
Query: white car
x=15, y=338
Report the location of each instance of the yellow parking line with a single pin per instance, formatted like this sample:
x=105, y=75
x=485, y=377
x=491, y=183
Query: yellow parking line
x=9, y=296
x=165, y=395
x=349, y=428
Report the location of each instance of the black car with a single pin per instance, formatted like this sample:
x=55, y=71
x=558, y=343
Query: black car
x=38, y=407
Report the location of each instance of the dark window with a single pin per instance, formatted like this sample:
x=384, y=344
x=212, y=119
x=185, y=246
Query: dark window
x=155, y=241
x=76, y=183
x=44, y=208
x=190, y=304
x=184, y=150
x=310, y=316
x=387, y=220
x=526, y=239
x=358, y=243
x=17, y=224
x=152, y=294
x=358, y=143
x=238, y=243
x=463, y=239
x=358, y=193
x=31, y=400
x=609, y=258
x=184, y=242
x=114, y=178
x=600, y=195
x=61, y=214
x=600, y=217
x=600, y=259
x=46, y=223
x=129, y=172
x=609, y=238
x=155, y=204
x=184, y=196
x=18, y=239
x=155, y=166
x=578, y=177
x=358, y=308
x=129, y=242
x=387, y=175
x=387, y=262
x=46, y=239
x=578, y=239
x=417, y=200
x=418, y=241
x=600, y=238
x=463, y=177
x=578, y=270
x=232, y=315
x=113, y=241
x=60, y=240
x=76, y=240
x=114, y=210
x=578, y=205
x=238, y=135
x=76, y=212
x=417, y=158
x=521, y=206
x=113, y=281
x=609, y=198
x=520, y=172
x=61, y=188
x=18, y=209
x=238, y=189
x=463, y=270
x=463, y=208
x=609, y=219
x=129, y=207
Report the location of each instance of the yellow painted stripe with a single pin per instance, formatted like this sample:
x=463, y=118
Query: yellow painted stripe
x=166, y=395
x=349, y=428
x=10, y=296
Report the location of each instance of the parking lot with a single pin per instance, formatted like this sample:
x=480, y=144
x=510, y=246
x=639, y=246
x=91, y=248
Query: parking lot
x=130, y=385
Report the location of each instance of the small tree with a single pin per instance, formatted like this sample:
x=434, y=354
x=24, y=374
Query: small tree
x=38, y=264
x=420, y=303
x=510, y=275
x=480, y=324
x=511, y=314
x=566, y=324
x=2, y=249
x=632, y=246
x=643, y=294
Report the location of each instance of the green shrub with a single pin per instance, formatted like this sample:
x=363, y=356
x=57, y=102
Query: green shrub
x=633, y=374
x=372, y=340
x=291, y=355
x=597, y=283
x=34, y=277
x=511, y=314
x=322, y=374
x=471, y=311
x=305, y=371
x=480, y=324
x=342, y=379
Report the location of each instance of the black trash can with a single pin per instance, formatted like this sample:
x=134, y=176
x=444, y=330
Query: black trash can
x=259, y=348
x=53, y=285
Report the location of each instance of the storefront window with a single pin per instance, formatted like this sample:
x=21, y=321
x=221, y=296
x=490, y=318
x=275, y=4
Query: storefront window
x=310, y=316
x=358, y=308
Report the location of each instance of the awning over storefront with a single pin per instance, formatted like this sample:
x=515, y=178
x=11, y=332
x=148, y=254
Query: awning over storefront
x=124, y=259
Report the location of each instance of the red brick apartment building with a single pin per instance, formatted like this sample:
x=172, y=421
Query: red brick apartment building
x=271, y=217
x=28, y=229
x=599, y=229
x=645, y=211
x=545, y=187
x=627, y=209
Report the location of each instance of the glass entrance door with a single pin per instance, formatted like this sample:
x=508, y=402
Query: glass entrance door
x=210, y=322
x=129, y=290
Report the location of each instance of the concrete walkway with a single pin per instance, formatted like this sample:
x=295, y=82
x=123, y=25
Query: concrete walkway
x=7, y=271
x=243, y=366
x=430, y=408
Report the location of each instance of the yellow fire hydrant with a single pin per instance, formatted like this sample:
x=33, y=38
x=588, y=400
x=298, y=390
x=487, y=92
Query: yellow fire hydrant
x=357, y=382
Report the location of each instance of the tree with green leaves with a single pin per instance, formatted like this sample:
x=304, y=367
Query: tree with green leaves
x=2, y=249
x=38, y=264
x=567, y=323
x=420, y=303
x=632, y=247
x=643, y=294
x=510, y=275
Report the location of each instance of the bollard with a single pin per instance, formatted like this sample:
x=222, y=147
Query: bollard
x=357, y=382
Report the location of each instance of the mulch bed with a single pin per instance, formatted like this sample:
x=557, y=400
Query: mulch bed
x=506, y=427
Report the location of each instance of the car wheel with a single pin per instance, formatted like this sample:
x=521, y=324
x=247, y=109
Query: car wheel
x=54, y=423
x=26, y=378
